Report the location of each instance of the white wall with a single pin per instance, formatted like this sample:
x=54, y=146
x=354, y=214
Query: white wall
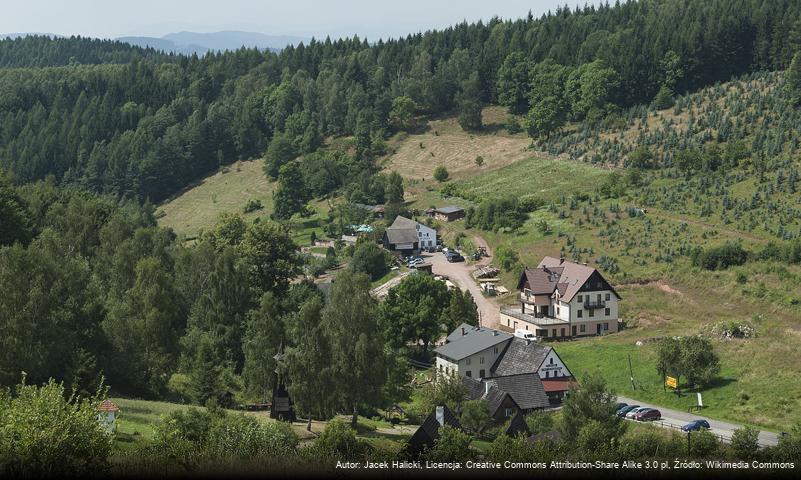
x=600, y=314
x=473, y=362
x=552, y=367
x=427, y=236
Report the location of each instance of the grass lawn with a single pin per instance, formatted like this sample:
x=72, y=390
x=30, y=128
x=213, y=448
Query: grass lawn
x=137, y=419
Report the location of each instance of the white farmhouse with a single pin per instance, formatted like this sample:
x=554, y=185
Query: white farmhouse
x=484, y=353
x=409, y=237
x=561, y=299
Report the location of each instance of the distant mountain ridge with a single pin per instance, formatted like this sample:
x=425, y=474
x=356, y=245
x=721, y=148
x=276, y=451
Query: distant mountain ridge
x=189, y=43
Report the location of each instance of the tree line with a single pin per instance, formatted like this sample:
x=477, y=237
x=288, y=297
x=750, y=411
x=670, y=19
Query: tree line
x=149, y=124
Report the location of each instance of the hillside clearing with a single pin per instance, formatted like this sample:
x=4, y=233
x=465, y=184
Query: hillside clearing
x=444, y=143
x=228, y=191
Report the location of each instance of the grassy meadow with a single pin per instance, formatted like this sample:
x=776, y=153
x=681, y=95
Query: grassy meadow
x=227, y=191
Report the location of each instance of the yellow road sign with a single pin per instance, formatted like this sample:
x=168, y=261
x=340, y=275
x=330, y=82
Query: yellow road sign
x=671, y=382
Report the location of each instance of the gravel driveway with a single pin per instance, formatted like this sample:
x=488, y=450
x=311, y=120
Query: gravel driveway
x=459, y=274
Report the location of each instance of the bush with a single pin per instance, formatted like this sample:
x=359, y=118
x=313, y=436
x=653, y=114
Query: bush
x=339, y=440
x=651, y=443
x=196, y=436
x=539, y=422
x=745, y=442
x=721, y=257
x=475, y=416
x=704, y=443
x=453, y=445
x=507, y=258
x=441, y=174
x=371, y=259
x=253, y=205
x=43, y=430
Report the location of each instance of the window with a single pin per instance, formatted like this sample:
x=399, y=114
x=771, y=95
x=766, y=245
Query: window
x=481, y=360
x=509, y=412
x=599, y=298
x=467, y=362
x=606, y=326
x=608, y=297
x=554, y=333
x=580, y=298
x=468, y=373
x=496, y=348
x=580, y=313
x=547, y=374
x=551, y=362
x=592, y=313
x=607, y=312
x=582, y=328
x=481, y=373
x=557, y=310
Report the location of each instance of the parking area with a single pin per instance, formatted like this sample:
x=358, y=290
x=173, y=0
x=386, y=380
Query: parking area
x=675, y=419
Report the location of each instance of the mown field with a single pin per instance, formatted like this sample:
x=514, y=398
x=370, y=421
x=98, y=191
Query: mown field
x=443, y=143
x=227, y=191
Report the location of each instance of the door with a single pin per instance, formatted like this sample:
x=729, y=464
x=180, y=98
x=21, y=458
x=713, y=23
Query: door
x=598, y=328
x=562, y=331
x=574, y=330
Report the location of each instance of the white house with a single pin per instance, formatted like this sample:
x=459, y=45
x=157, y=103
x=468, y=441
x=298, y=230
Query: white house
x=484, y=353
x=560, y=299
x=408, y=237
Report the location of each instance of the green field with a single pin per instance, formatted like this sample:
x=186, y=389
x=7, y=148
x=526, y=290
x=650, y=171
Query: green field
x=539, y=177
x=228, y=191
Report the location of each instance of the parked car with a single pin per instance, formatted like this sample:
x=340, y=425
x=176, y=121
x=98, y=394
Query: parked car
x=695, y=425
x=414, y=262
x=618, y=406
x=623, y=411
x=649, y=414
x=454, y=257
x=635, y=411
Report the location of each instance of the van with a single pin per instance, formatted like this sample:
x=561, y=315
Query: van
x=525, y=335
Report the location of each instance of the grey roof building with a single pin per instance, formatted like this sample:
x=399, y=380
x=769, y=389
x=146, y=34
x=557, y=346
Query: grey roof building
x=464, y=343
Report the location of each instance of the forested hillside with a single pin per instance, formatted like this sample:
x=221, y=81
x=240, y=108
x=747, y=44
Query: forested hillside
x=145, y=128
x=46, y=51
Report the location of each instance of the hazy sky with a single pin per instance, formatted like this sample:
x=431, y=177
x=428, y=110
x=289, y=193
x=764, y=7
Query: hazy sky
x=371, y=18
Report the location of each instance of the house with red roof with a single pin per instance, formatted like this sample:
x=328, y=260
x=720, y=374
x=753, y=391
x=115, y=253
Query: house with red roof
x=561, y=299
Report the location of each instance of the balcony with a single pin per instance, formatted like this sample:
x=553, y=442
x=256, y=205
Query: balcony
x=594, y=304
x=532, y=318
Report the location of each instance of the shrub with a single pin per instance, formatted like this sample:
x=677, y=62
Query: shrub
x=475, y=415
x=441, y=174
x=371, y=259
x=453, y=445
x=339, y=440
x=253, y=205
x=745, y=442
x=539, y=422
x=704, y=443
x=44, y=431
x=721, y=257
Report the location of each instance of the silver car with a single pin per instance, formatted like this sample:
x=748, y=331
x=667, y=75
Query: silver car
x=636, y=410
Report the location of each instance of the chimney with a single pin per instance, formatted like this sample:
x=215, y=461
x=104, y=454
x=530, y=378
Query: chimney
x=486, y=388
x=440, y=415
x=463, y=332
x=561, y=259
x=494, y=333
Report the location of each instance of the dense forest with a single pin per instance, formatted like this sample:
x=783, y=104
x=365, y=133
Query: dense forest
x=137, y=124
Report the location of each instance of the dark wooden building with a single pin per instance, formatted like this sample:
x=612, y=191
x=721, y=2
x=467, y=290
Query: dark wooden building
x=428, y=432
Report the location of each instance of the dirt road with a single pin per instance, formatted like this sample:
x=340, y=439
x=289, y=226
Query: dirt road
x=459, y=274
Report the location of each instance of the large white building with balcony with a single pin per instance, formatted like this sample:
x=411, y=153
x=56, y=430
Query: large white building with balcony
x=561, y=299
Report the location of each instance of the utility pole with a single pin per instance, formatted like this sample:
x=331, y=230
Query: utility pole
x=631, y=375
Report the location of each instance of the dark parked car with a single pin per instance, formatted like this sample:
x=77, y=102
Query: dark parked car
x=618, y=406
x=695, y=425
x=454, y=257
x=623, y=411
x=649, y=414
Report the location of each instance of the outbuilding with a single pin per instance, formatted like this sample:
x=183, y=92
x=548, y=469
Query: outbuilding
x=449, y=214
